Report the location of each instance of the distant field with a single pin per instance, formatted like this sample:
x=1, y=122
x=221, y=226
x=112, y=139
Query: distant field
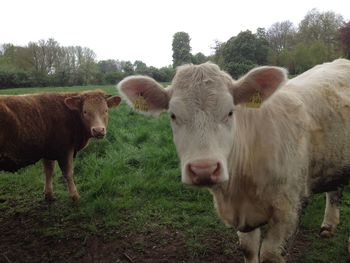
x=133, y=206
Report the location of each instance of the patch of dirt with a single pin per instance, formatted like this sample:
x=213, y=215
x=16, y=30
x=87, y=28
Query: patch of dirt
x=36, y=237
x=299, y=247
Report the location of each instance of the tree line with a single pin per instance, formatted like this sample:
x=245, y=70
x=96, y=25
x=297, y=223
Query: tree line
x=46, y=63
x=319, y=37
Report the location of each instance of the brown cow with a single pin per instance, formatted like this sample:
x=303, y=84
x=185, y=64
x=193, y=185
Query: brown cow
x=51, y=126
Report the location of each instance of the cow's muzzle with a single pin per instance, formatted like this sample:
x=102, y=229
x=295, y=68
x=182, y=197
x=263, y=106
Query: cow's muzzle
x=204, y=172
x=98, y=132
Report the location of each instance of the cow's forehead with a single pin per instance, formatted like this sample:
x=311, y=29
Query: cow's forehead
x=202, y=87
x=94, y=100
x=204, y=78
x=204, y=98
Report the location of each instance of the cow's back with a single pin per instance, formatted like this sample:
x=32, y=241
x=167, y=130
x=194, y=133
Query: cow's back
x=34, y=127
x=325, y=93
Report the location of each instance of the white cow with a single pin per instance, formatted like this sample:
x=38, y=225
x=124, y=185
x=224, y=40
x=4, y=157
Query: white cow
x=259, y=163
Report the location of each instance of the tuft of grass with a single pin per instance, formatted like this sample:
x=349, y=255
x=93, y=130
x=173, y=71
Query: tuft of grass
x=333, y=249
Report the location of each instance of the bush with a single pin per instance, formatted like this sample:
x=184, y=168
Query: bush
x=238, y=69
x=11, y=78
x=113, y=77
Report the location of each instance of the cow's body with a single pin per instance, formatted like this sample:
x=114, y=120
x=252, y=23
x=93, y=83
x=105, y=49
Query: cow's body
x=42, y=126
x=297, y=143
x=38, y=126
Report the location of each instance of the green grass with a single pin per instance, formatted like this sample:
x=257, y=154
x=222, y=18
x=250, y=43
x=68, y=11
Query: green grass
x=130, y=181
x=17, y=91
x=334, y=248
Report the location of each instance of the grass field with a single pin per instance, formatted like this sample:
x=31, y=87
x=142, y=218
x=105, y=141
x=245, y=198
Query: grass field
x=133, y=206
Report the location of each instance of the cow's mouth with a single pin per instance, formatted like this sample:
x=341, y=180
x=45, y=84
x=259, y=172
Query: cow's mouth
x=205, y=176
x=99, y=136
x=204, y=182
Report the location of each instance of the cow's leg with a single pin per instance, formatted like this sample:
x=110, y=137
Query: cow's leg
x=249, y=244
x=49, y=173
x=331, y=213
x=66, y=165
x=281, y=227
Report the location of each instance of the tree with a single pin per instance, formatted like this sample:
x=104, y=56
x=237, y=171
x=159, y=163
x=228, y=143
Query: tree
x=218, y=56
x=168, y=73
x=262, y=46
x=107, y=66
x=127, y=68
x=181, y=49
x=320, y=26
x=113, y=77
x=66, y=67
x=199, y=58
x=323, y=27
x=141, y=68
x=281, y=35
x=87, y=65
x=243, y=52
x=345, y=39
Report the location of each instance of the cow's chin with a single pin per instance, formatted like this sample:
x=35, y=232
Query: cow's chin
x=98, y=136
x=206, y=182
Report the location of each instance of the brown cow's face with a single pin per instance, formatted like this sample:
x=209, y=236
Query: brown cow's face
x=93, y=109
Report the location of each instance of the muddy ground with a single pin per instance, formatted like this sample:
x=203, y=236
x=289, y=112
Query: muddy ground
x=22, y=239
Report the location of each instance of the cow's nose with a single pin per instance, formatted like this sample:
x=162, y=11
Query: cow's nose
x=98, y=132
x=204, y=172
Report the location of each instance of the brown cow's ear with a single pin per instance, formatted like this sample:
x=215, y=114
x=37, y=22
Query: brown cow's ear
x=113, y=101
x=259, y=83
x=73, y=103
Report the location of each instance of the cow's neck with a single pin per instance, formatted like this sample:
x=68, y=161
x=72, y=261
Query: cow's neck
x=254, y=140
x=244, y=189
x=259, y=157
x=82, y=136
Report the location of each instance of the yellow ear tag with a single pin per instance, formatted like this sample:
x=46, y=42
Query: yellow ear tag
x=255, y=101
x=140, y=103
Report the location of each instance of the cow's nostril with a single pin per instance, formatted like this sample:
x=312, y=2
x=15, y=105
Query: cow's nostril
x=98, y=131
x=217, y=170
x=191, y=172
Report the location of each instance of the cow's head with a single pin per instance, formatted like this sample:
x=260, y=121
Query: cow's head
x=93, y=107
x=201, y=103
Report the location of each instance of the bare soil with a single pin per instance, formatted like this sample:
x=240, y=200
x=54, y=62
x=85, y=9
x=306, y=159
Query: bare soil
x=22, y=239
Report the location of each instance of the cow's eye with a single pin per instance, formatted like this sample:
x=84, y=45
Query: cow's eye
x=230, y=113
x=173, y=116
x=85, y=112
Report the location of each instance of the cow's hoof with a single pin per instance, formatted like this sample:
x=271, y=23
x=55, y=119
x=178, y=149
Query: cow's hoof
x=272, y=258
x=327, y=231
x=75, y=197
x=273, y=261
x=49, y=197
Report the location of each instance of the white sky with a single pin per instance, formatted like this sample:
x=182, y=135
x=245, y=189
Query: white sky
x=143, y=29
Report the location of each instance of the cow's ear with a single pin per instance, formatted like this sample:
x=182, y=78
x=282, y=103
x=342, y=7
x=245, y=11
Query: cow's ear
x=73, y=103
x=113, y=101
x=258, y=84
x=145, y=94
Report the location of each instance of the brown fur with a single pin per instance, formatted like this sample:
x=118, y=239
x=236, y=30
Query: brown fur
x=41, y=126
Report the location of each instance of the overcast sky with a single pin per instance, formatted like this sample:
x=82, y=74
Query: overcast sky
x=143, y=29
